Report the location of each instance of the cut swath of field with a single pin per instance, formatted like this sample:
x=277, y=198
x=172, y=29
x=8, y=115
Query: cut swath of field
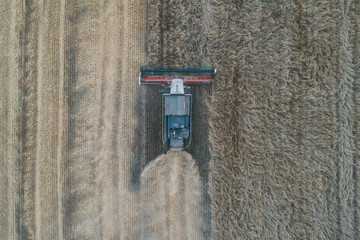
x=170, y=197
x=10, y=114
x=68, y=77
x=282, y=124
x=176, y=35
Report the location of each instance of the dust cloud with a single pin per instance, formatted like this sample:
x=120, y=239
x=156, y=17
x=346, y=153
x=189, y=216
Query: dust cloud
x=171, y=193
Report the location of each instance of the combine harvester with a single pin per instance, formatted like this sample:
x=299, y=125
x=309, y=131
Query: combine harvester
x=176, y=100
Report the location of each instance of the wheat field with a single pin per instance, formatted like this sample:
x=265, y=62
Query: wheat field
x=275, y=152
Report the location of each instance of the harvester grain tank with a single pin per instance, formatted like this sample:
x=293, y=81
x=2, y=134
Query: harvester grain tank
x=176, y=100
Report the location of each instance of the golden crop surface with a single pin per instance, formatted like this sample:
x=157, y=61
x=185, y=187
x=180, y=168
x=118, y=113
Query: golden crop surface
x=275, y=149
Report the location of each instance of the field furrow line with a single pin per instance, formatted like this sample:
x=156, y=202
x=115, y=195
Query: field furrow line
x=63, y=111
x=47, y=136
x=37, y=219
x=81, y=193
x=11, y=76
x=355, y=39
x=4, y=101
x=132, y=55
x=29, y=117
x=107, y=160
x=69, y=73
x=345, y=121
x=100, y=121
x=119, y=138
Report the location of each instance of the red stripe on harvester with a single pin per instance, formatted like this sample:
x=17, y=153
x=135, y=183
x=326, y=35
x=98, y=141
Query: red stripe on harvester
x=169, y=79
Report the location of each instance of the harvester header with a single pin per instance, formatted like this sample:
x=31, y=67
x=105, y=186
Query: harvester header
x=164, y=75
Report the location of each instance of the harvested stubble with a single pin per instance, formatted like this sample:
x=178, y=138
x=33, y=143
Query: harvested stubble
x=67, y=97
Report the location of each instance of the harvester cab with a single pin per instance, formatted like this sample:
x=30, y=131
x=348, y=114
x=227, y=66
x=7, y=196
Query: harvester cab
x=176, y=100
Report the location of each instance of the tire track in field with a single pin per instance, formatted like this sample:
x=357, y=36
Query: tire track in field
x=67, y=112
x=47, y=128
x=37, y=199
x=63, y=110
x=82, y=46
x=4, y=74
x=105, y=126
x=29, y=124
x=10, y=152
x=133, y=53
x=108, y=172
x=170, y=191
